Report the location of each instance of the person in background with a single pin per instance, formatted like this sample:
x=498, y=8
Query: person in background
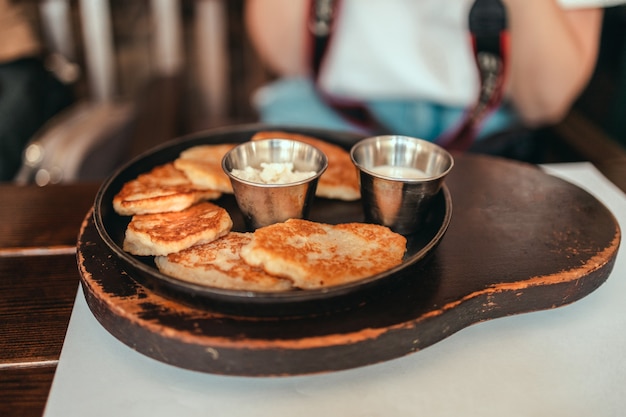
x=29, y=94
x=411, y=63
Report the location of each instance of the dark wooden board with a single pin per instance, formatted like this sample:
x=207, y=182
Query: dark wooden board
x=519, y=241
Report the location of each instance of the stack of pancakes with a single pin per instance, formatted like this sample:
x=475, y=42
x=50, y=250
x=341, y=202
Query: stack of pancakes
x=192, y=239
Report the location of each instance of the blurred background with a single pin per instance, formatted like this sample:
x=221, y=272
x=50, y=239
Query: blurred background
x=146, y=71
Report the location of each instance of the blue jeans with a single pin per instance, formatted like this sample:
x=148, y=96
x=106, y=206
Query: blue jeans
x=294, y=101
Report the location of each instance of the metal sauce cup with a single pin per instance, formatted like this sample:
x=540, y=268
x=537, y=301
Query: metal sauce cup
x=399, y=176
x=264, y=204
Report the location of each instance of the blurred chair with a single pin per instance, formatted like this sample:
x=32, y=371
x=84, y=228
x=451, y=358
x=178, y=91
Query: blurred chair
x=102, y=130
x=60, y=151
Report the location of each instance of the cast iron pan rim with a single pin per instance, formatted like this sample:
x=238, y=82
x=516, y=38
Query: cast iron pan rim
x=239, y=295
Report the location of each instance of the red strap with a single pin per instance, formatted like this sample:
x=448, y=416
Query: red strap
x=322, y=20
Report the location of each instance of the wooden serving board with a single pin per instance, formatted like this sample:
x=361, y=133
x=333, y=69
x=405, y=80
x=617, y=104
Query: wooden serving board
x=519, y=241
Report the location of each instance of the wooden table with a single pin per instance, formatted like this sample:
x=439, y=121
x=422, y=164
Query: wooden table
x=38, y=232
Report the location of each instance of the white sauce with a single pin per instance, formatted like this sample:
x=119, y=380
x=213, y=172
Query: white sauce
x=400, y=172
x=272, y=173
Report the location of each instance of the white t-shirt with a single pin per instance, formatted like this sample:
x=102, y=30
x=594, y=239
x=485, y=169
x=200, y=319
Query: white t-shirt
x=406, y=49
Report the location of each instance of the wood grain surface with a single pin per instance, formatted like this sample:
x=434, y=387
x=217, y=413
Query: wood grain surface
x=519, y=241
x=38, y=283
x=40, y=218
x=24, y=390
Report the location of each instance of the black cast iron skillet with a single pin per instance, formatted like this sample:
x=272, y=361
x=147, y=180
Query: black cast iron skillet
x=111, y=228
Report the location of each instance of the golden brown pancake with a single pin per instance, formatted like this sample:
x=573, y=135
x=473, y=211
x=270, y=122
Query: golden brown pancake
x=315, y=255
x=163, y=189
x=340, y=180
x=218, y=264
x=165, y=233
x=202, y=164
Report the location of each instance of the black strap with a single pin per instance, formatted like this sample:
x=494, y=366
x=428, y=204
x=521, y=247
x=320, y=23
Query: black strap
x=322, y=19
x=488, y=30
